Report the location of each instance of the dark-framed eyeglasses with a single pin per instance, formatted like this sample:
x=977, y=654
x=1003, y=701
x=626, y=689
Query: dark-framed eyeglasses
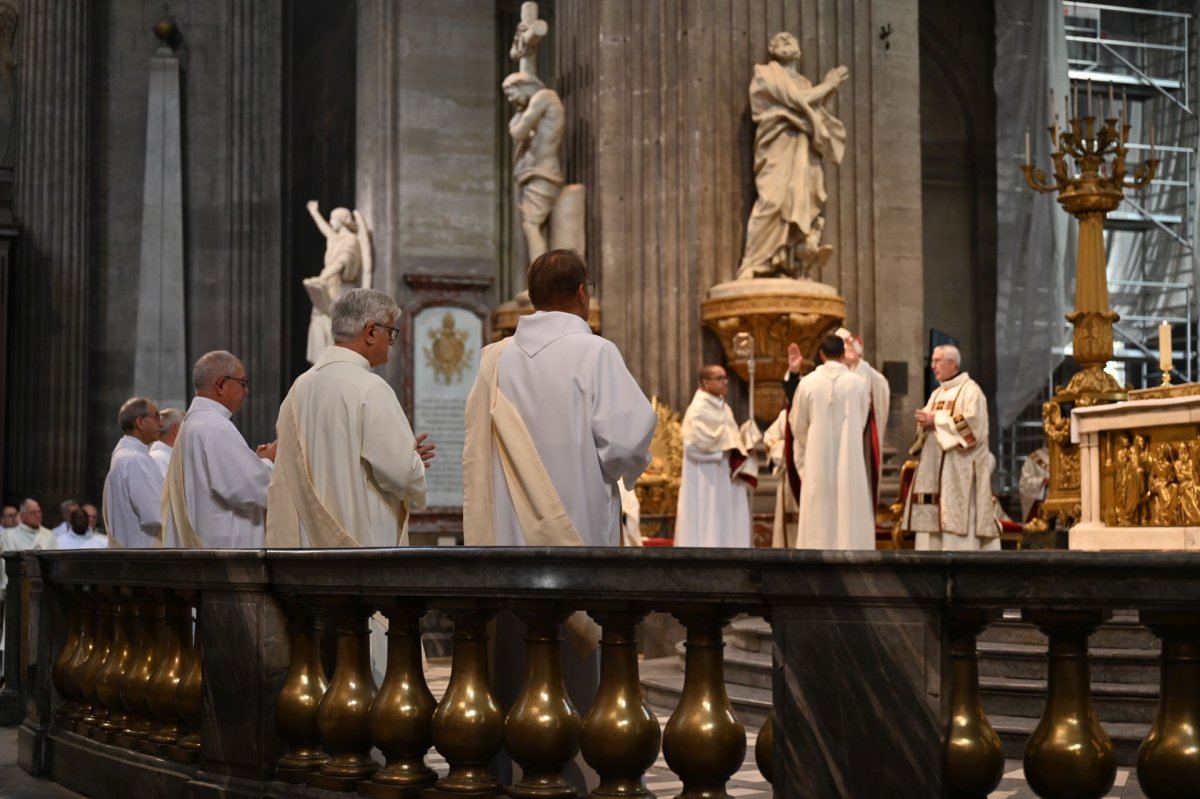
x=245, y=382
x=393, y=332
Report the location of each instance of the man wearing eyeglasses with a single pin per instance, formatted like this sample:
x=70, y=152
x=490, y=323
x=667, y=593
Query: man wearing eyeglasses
x=216, y=486
x=132, y=498
x=349, y=468
x=719, y=468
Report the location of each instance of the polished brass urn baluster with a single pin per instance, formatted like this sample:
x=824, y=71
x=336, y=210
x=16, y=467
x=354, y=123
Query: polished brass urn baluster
x=176, y=634
x=58, y=672
x=83, y=652
x=974, y=753
x=703, y=742
x=541, y=732
x=303, y=689
x=764, y=749
x=401, y=717
x=1169, y=760
x=189, y=699
x=342, y=714
x=1069, y=755
x=468, y=726
x=141, y=667
x=90, y=672
x=108, y=686
x=620, y=736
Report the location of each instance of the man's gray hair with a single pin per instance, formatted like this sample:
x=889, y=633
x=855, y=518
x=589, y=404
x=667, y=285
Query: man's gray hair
x=358, y=308
x=950, y=353
x=170, y=417
x=212, y=366
x=25, y=503
x=130, y=412
x=66, y=503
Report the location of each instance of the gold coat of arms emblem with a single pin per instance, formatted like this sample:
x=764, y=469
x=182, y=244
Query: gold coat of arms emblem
x=448, y=354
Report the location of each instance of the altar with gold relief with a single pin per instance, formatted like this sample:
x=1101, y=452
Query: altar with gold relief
x=1138, y=472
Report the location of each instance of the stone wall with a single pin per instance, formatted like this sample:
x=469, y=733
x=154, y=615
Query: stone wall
x=659, y=128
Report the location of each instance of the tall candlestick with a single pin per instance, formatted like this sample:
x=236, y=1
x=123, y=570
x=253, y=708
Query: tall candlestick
x=1164, y=347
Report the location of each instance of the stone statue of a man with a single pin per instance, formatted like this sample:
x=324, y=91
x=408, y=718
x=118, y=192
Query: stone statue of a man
x=795, y=134
x=537, y=133
x=348, y=265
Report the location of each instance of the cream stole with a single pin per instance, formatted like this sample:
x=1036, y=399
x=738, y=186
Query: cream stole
x=494, y=423
x=292, y=494
x=174, y=504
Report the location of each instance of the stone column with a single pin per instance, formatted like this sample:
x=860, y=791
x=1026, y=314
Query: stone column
x=47, y=413
x=660, y=131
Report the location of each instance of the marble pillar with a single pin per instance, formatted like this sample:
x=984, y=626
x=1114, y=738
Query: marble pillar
x=660, y=131
x=49, y=323
x=160, y=369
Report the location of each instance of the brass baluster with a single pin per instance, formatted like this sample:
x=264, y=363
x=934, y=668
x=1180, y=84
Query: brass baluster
x=401, y=717
x=342, y=714
x=621, y=736
x=1169, y=760
x=58, y=671
x=149, y=614
x=541, y=732
x=83, y=651
x=1069, y=755
x=303, y=689
x=764, y=748
x=176, y=638
x=974, y=753
x=703, y=742
x=189, y=700
x=90, y=672
x=468, y=726
x=108, y=686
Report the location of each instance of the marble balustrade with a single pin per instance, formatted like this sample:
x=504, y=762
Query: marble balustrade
x=875, y=662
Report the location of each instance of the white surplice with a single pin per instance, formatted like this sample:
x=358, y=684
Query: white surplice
x=714, y=506
x=225, y=483
x=162, y=455
x=589, y=421
x=828, y=420
x=133, y=495
x=1034, y=481
x=360, y=454
x=89, y=540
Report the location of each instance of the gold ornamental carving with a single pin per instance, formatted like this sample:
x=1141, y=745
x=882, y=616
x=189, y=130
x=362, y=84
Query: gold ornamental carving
x=448, y=354
x=776, y=312
x=1148, y=478
x=658, y=488
x=1090, y=179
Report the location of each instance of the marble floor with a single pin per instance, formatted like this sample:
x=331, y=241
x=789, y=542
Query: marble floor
x=747, y=782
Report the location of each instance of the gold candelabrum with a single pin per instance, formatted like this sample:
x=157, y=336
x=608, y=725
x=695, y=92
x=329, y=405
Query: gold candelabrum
x=1090, y=178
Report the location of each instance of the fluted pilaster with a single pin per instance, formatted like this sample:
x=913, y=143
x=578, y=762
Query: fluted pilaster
x=51, y=285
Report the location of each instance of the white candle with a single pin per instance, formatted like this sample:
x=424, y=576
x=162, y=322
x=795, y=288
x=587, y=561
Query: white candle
x=1111, y=103
x=1164, y=346
x=1028, y=159
x=1089, y=96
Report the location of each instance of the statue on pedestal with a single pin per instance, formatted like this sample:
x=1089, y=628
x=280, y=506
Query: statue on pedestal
x=348, y=265
x=795, y=134
x=537, y=133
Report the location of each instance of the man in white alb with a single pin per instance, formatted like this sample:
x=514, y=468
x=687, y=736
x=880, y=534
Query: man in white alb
x=65, y=509
x=829, y=418
x=881, y=399
x=1033, y=483
x=949, y=506
x=80, y=535
x=8, y=519
x=132, y=499
x=216, y=486
x=718, y=469
x=349, y=468
x=553, y=422
x=161, y=450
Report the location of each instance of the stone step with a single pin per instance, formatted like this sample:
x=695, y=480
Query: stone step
x=1121, y=632
x=1028, y=662
x=749, y=635
x=751, y=669
x=1114, y=702
x=1014, y=732
x=662, y=684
